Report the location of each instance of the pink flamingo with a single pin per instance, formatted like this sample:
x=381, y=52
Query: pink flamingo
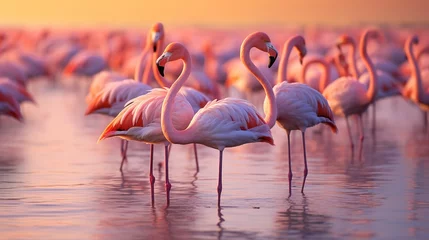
x=112, y=92
x=196, y=98
x=387, y=85
x=299, y=106
x=347, y=96
x=222, y=123
x=413, y=90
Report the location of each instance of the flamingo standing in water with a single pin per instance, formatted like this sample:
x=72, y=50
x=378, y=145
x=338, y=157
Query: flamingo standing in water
x=299, y=106
x=222, y=123
x=387, y=85
x=109, y=91
x=413, y=90
x=347, y=96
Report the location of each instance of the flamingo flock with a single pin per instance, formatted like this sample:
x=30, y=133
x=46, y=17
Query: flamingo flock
x=166, y=87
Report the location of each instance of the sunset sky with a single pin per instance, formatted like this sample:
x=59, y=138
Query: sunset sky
x=224, y=13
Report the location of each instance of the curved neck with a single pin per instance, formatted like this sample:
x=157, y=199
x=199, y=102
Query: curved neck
x=352, y=60
x=325, y=72
x=271, y=115
x=372, y=89
x=170, y=132
x=162, y=82
x=287, y=49
x=142, y=70
x=415, y=70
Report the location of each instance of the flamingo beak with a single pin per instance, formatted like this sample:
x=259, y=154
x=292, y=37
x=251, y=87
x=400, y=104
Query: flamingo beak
x=161, y=61
x=273, y=54
x=155, y=38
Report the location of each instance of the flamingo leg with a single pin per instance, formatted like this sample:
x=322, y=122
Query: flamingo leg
x=305, y=162
x=151, y=176
x=373, y=118
x=361, y=136
x=167, y=180
x=425, y=120
x=169, y=148
x=196, y=157
x=349, y=130
x=124, y=147
x=219, y=184
x=360, y=128
x=290, y=164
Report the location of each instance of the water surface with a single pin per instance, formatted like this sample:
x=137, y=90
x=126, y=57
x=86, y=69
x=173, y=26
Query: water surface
x=56, y=182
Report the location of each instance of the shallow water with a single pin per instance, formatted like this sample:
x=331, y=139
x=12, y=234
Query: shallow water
x=58, y=183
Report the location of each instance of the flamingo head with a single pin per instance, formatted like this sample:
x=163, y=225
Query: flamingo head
x=263, y=43
x=174, y=51
x=156, y=34
x=300, y=46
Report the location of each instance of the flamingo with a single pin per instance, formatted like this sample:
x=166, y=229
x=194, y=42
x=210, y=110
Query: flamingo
x=114, y=92
x=387, y=85
x=347, y=96
x=196, y=98
x=222, y=123
x=413, y=90
x=299, y=106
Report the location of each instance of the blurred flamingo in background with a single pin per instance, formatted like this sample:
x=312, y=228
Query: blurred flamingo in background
x=222, y=123
x=299, y=106
x=347, y=96
x=414, y=89
x=111, y=92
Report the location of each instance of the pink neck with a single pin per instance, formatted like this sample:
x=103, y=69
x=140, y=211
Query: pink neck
x=142, y=72
x=287, y=49
x=159, y=79
x=372, y=89
x=415, y=70
x=352, y=60
x=170, y=132
x=325, y=75
x=271, y=115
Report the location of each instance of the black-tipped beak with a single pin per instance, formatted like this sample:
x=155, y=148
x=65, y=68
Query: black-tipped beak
x=301, y=59
x=154, y=47
x=160, y=70
x=272, y=60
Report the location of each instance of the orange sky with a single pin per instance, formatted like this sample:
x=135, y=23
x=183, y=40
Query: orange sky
x=223, y=13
